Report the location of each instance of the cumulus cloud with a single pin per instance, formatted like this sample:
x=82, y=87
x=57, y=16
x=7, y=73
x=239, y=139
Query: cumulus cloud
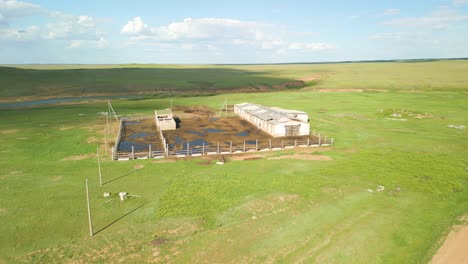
x=391, y=12
x=460, y=2
x=215, y=33
x=443, y=18
x=12, y=9
x=100, y=43
x=79, y=30
x=134, y=27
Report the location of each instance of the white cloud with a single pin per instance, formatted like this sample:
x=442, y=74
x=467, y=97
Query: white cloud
x=443, y=18
x=398, y=36
x=460, y=2
x=100, y=43
x=27, y=34
x=12, y=9
x=391, y=12
x=208, y=33
x=79, y=30
x=134, y=27
x=309, y=46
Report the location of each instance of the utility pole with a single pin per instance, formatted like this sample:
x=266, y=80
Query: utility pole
x=99, y=166
x=89, y=210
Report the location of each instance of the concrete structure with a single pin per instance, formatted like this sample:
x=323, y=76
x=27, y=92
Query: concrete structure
x=275, y=121
x=164, y=119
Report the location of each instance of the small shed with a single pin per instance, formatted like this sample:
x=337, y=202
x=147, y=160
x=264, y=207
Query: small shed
x=275, y=121
x=164, y=119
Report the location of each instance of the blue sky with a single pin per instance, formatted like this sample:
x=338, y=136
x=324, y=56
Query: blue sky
x=85, y=31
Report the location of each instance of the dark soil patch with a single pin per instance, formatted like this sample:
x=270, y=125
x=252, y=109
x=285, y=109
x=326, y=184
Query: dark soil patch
x=159, y=241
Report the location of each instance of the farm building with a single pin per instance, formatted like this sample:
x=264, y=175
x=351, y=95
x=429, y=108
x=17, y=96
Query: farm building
x=164, y=119
x=275, y=121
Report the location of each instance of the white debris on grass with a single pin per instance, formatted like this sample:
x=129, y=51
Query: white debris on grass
x=123, y=195
x=396, y=119
x=380, y=188
x=370, y=190
x=457, y=126
x=107, y=194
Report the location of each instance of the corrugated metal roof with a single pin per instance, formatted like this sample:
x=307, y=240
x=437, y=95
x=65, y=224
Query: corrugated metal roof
x=164, y=112
x=273, y=115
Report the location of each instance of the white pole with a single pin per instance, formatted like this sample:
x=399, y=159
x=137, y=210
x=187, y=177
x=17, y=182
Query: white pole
x=105, y=142
x=188, y=149
x=230, y=147
x=218, y=147
x=244, y=145
x=99, y=166
x=89, y=210
x=150, y=154
x=133, y=152
x=256, y=144
x=203, y=148
x=269, y=142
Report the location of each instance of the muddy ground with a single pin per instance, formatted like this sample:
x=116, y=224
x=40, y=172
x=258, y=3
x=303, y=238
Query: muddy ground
x=199, y=126
x=139, y=133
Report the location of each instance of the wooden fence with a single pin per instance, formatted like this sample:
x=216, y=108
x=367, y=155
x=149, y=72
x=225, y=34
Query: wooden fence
x=222, y=148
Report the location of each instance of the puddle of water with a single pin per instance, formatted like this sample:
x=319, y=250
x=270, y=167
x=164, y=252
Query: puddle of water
x=213, y=130
x=196, y=142
x=139, y=135
x=131, y=123
x=242, y=134
x=195, y=133
x=178, y=140
x=127, y=146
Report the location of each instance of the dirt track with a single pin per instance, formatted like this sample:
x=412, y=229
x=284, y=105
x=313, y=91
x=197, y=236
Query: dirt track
x=455, y=248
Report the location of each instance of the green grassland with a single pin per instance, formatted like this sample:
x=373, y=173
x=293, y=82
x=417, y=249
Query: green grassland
x=76, y=80
x=252, y=211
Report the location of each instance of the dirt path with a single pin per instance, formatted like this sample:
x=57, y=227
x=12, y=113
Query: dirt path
x=454, y=250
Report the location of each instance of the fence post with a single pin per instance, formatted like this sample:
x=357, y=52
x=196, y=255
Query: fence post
x=244, y=145
x=332, y=139
x=113, y=153
x=149, y=151
x=218, y=147
x=188, y=149
x=320, y=140
x=269, y=142
x=282, y=143
x=295, y=143
x=256, y=144
x=203, y=149
x=133, y=152
x=308, y=142
x=230, y=147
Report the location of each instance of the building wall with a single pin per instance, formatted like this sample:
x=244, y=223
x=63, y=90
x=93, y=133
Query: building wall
x=275, y=130
x=165, y=122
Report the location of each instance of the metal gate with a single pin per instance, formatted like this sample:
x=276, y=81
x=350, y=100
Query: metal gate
x=292, y=130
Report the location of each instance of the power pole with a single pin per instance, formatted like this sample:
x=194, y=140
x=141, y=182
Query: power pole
x=89, y=210
x=99, y=166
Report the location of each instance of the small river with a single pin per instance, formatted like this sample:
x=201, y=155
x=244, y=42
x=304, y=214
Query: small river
x=20, y=104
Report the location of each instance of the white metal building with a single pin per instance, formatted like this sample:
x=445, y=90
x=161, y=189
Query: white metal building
x=164, y=119
x=275, y=121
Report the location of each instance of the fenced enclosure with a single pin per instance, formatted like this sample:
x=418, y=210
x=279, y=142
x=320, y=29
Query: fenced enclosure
x=198, y=135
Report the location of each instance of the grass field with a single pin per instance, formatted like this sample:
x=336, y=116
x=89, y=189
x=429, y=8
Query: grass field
x=248, y=211
x=76, y=80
